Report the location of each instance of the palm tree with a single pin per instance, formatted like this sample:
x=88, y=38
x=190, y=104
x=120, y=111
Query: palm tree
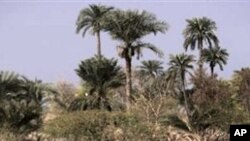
x=199, y=31
x=152, y=68
x=21, y=101
x=92, y=17
x=215, y=56
x=179, y=65
x=100, y=75
x=129, y=27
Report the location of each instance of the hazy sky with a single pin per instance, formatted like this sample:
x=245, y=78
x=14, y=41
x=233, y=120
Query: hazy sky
x=38, y=39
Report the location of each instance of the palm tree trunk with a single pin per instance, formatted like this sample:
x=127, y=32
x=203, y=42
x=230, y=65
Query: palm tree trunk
x=212, y=71
x=128, y=82
x=186, y=99
x=98, y=43
x=99, y=102
x=212, y=75
x=200, y=61
x=201, y=67
x=100, y=99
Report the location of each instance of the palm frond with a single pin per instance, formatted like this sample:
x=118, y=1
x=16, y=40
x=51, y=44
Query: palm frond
x=100, y=75
x=92, y=17
x=129, y=26
x=140, y=45
x=215, y=56
x=151, y=68
x=199, y=31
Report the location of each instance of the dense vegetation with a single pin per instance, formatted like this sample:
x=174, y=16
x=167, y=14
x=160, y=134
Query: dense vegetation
x=150, y=102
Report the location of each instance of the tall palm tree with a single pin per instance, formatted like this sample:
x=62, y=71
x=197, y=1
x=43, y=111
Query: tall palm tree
x=198, y=32
x=92, y=17
x=215, y=56
x=151, y=68
x=100, y=75
x=179, y=65
x=129, y=27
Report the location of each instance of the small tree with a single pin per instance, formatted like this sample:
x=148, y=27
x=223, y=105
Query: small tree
x=101, y=75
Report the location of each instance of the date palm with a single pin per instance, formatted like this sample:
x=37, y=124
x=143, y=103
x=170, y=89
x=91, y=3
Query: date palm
x=215, y=56
x=129, y=27
x=101, y=75
x=152, y=68
x=92, y=18
x=179, y=65
x=21, y=101
x=198, y=32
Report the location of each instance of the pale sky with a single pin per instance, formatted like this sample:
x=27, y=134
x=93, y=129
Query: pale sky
x=38, y=39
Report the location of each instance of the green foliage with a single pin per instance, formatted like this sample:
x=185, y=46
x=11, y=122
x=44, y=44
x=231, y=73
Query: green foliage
x=241, y=80
x=151, y=68
x=21, y=102
x=100, y=73
x=176, y=121
x=157, y=104
x=103, y=126
x=90, y=124
x=199, y=31
x=180, y=64
x=90, y=102
x=129, y=27
x=92, y=17
x=101, y=76
x=216, y=103
x=215, y=56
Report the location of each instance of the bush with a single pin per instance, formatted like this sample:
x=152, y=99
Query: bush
x=90, y=124
x=101, y=76
x=103, y=126
x=6, y=135
x=217, y=104
x=21, y=102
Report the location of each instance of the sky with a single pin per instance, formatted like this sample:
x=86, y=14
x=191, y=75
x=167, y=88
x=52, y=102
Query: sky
x=38, y=38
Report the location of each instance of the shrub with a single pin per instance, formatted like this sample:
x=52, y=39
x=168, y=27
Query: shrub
x=216, y=104
x=21, y=102
x=89, y=124
x=103, y=126
x=101, y=76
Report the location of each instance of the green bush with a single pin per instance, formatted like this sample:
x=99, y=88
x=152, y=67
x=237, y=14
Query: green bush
x=102, y=126
x=90, y=124
x=101, y=76
x=21, y=102
x=217, y=106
